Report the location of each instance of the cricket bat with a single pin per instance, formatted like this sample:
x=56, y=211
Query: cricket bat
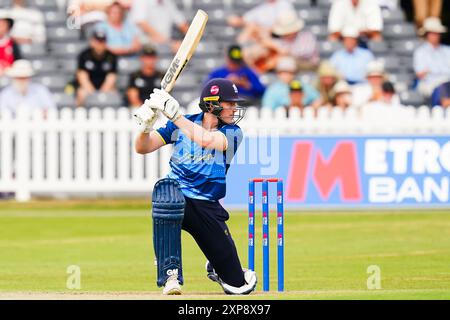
x=186, y=50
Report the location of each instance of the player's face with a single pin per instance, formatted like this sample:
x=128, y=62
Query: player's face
x=231, y=112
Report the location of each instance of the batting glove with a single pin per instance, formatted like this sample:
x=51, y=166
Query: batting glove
x=145, y=118
x=164, y=102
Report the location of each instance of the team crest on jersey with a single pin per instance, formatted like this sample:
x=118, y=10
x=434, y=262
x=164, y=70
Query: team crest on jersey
x=214, y=90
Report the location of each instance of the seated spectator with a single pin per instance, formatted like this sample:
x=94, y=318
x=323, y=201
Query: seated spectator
x=296, y=97
x=240, y=74
x=441, y=96
x=372, y=90
x=123, y=36
x=277, y=94
x=289, y=39
x=351, y=61
x=156, y=18
x=9, y=51
x=260, y=18
x=327, y=78
x=365, y=15
x=22, y=92
x=342, y=95
x=29, y=24
x=143, y=81
x=97, y=68
x=386, y=106
x=424, y=9
x=432, y=59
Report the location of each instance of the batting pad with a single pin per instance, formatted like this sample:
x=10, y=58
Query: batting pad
x=168, y=212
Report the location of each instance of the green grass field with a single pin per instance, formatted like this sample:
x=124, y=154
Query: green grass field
x=327, y=253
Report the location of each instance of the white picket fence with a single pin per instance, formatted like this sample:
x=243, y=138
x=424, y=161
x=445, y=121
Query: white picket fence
x=93, y=151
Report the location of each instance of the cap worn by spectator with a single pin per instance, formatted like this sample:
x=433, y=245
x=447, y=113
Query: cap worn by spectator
x=20, y=69
x=341, y=87
x=287, y=23
x=295, y=85
x=149, y=50
x=432, y=24
x=99, y=35
x=235, y=53
x=375, y=69
x=286, y=64
x=326, y=69
x=350, y=32
x=5, y=16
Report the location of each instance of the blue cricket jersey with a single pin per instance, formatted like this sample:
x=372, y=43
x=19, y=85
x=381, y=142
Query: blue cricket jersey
x=200, y=172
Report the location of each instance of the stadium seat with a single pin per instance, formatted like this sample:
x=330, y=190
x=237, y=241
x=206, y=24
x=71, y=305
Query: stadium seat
x=378, y=47
x=104, y=100
x=55, y=19
x=393, y=16
x=33, y=51
x=221, y=33
x=391, y=63
x=128, y=65
x=207, y=5
x=122, y=82
x=400, y=31
x=43, y=5
x=412, y=98
x=67, y=50
x=55, y=83
x=311, y=15
x=68, y=66
x=63, y=34
x=327, y=48
x=320, y=31
x=208, y=49
x=302, y=4
x=406, y=47
x=325, y=4
x=245, y=5
x=217, y=17
x=64, y=100
x=45, y=66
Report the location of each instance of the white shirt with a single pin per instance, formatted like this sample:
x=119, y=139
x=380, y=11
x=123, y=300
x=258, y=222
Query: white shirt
x=362, y=93
x=37, y=97
x=266, y=13
x=28, y=24
x=366, y=16
x=434, y=60
x=160, y=15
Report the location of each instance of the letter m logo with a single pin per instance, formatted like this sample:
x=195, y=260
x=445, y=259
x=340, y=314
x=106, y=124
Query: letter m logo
x=339, y=169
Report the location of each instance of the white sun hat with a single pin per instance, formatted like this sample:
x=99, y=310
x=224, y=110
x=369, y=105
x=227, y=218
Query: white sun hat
x=20, y=69
x=286, y=23
x=433, y=24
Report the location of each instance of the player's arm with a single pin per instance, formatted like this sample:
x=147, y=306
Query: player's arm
x=164, y=102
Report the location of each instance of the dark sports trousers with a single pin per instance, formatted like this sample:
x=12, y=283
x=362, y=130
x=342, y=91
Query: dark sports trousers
x=205, y=222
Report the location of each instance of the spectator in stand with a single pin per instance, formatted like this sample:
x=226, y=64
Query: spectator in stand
x=240, y=74
x=432, y=59
x=296, y=97
x=351, y=61
x=372, y=90
x=22, y=92
x=277, y=94
x=424, y=9
x=261, y=17
x=29, y=24
x=122, y=35
x=327, y=78
x=445, y=95
x=387, y=106
x=155, y=18
x=97, y=68
x=143, y=81
x=342, y=95
x=365, y=15
x=9, y=51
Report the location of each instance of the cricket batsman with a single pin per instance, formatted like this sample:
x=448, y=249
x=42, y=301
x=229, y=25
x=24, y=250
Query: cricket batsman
x=188, y=199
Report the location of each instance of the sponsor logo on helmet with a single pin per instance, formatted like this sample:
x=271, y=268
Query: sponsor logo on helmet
x=214, y=90
x=235, y=88
x=211, y=98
